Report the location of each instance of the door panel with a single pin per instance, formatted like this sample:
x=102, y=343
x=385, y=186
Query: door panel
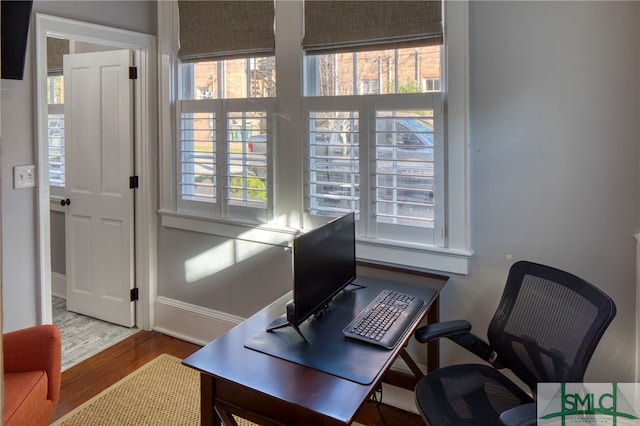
x=99, y=161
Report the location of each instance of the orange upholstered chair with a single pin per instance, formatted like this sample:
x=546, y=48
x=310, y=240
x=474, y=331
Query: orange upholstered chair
x=32, y=373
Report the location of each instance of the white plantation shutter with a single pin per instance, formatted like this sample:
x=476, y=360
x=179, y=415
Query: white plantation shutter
x=404, y=168
x=334, y=163
x=247, y=158
x=55, y=140
x=197, y=164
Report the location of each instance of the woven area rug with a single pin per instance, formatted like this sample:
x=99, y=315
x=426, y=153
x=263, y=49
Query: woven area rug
x=162, y=392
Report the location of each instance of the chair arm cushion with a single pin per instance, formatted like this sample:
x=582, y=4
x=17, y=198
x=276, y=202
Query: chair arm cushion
x=35, y=348
x=457, y=331
x=441, y=329
x=522, y=415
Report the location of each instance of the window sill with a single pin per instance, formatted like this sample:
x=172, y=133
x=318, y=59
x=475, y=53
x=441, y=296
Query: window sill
x=241, y=230
x=412, y=256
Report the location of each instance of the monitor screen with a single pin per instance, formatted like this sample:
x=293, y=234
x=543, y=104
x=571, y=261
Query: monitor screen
x=324, y=262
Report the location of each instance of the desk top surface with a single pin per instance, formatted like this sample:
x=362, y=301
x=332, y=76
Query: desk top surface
x=227, y=358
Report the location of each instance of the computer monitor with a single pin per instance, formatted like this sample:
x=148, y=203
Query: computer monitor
x=324, y=263
x=16, y=16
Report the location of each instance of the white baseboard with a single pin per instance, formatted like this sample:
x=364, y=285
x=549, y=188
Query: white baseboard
x=191, y=323
x=59, y=285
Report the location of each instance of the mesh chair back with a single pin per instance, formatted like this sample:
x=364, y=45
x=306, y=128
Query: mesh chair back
x=548, y=324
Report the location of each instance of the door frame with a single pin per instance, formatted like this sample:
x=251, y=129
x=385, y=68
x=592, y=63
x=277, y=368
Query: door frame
x=145, y=153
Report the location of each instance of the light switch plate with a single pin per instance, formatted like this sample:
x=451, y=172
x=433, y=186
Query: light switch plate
x=24, y=176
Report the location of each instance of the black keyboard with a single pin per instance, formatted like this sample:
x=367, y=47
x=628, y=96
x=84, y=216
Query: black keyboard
x=384, y=320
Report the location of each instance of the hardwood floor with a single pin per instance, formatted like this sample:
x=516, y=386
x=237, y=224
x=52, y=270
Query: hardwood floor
x=87, y=379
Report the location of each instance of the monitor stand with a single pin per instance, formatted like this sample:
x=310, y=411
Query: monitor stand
x=358, y=286
x=286, y=321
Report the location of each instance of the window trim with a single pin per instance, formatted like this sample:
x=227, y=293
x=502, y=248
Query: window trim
x=453, y=257
x=455, y=77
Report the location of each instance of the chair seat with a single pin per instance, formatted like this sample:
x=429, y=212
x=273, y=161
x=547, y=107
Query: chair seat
x=467, y=394
x=24, y=396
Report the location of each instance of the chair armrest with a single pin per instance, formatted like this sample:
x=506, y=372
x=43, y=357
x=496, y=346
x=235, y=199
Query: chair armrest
x=457, y=331
x=35, y=348
x=522, y=415
x=441, y=329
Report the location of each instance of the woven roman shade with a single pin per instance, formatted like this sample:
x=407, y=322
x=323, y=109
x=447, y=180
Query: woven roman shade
x=354, y=25
x=225, y=29
x=56, y=48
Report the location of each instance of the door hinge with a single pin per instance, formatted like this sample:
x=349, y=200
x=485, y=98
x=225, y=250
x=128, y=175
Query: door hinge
x=133, y=181
x=134, y=294
x=133, y=73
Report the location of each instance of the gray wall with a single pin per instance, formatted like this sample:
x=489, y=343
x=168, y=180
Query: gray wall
x=554, y=161
x=58, y=259
x=554, y=111
x=18, y=147
x=236, y=277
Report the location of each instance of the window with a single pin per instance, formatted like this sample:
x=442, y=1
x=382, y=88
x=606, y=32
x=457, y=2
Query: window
x=377, y=159
x=351, y=129
x=55, y=131
x=56, y=49
x=225, y=137
x=228, y=79
x=370, y=87
x=431, y=84
x=389, y=71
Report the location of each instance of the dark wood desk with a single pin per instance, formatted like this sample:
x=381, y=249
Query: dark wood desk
x=269, y=390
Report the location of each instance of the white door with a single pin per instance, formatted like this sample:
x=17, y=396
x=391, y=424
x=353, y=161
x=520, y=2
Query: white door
x=99, y=202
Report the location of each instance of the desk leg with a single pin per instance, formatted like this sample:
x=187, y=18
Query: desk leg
x=227, y=418
x=433, y=347
x=208, y=415
x=411, y=363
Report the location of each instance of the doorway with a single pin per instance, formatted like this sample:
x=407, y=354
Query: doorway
x=143, y=48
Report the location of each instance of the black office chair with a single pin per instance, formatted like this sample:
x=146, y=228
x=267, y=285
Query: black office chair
x=546, y=328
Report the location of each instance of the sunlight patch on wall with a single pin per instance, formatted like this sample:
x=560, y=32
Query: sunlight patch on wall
x=209, y=262
x=225, y=255
x=245, y=250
